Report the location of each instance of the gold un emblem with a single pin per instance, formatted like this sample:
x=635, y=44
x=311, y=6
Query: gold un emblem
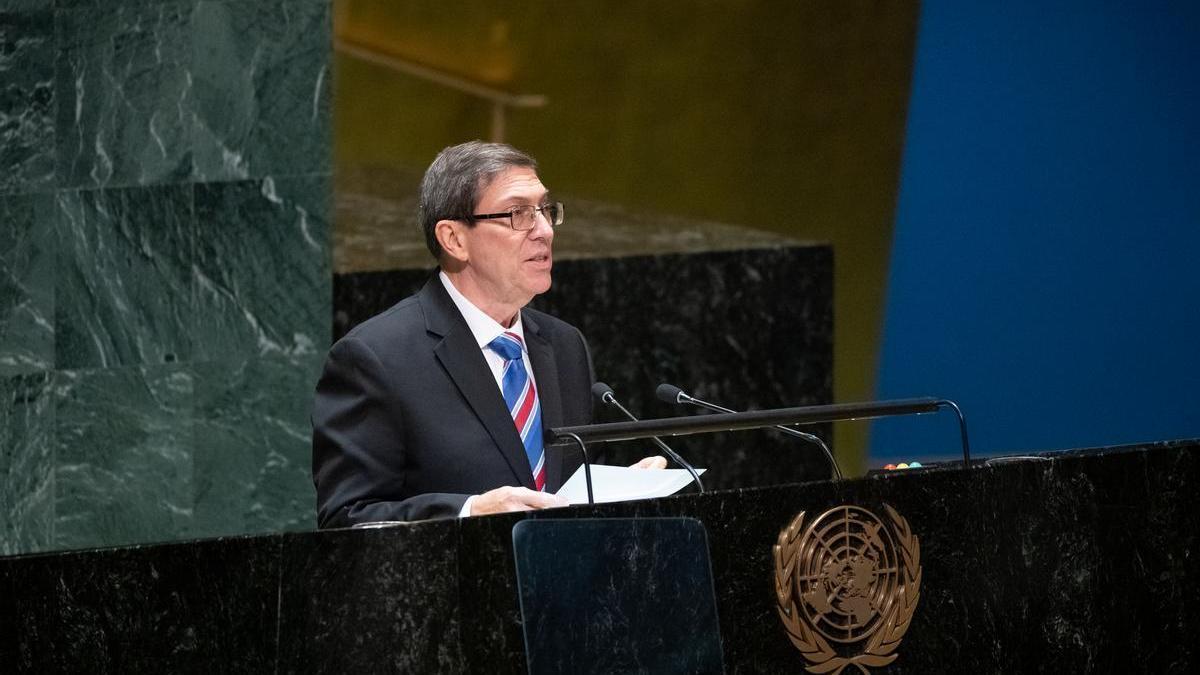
x=847, y=586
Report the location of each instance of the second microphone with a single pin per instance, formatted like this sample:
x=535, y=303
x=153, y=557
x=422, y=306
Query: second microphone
x=605, y=393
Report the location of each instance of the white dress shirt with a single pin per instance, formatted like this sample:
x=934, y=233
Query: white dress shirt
x=485, y=329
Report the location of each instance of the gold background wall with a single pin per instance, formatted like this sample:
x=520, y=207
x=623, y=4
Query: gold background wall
x=786, y=117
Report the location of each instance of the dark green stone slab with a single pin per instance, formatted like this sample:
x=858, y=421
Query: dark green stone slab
x=253, y=456
x=17, y=5
x=123, y=469
x=68, y=4
x=26, y=463
x=26, y=283
x=263, y=283
x=261, y=73
x=124, y=94
x=123, y=282
x=26, y=99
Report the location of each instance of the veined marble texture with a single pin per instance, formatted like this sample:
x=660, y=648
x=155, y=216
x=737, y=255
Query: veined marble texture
x=147, y=312
x=26, y=101
x=263, y=284
x=123, y=281
x=123, y=466
x=14, y=5
x=1083, y=563
x=26, y=463
x=418, y=580
x=124, y=86
x=164, y=91
x=134, y=615
x=253, y=453
x=70, y=4
x=262, y=81
x=26, y=284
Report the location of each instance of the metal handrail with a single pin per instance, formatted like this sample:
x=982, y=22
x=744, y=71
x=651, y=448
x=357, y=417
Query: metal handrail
x=501, y=100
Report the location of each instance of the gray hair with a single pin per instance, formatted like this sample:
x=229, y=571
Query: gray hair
x=458, y=175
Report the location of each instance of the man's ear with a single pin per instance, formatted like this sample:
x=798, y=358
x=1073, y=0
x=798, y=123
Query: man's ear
x=450, y=235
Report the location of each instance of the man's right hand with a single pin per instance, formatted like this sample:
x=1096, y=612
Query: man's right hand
x=508, y=498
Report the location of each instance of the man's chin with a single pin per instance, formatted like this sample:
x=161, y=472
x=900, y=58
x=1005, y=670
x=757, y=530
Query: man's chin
x=539, y=283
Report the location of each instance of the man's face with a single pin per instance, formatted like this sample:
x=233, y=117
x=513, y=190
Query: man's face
x=508, y=268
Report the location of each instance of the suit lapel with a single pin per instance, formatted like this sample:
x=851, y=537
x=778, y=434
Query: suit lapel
x=464, y=362
x=545, y=373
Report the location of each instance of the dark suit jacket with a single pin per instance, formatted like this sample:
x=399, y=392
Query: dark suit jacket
x=408, y=421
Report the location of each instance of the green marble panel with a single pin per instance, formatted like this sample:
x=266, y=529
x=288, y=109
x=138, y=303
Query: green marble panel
x=123, y=469
x=261, y=73
x=26, y=283
x=26, y=463
x=253, y=456
x=263, y=282
x=27, y=54
x=124, y=94
x=16, y=5
x=68, y=4
x=123, y=281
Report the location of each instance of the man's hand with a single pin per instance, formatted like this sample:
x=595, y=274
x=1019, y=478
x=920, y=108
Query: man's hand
x=655, y=462
x=508, y=498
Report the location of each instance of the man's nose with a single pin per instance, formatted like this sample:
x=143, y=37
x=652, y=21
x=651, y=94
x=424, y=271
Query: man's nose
x=542, y=229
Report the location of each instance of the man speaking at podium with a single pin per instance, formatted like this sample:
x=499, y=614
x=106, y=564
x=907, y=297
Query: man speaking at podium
x=435, y=408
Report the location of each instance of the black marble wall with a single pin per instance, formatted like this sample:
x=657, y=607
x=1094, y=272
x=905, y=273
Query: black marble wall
x=1087, y=562
x=164, y=266
x=749, y=329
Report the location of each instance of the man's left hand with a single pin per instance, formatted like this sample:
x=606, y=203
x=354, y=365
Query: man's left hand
x=655, y=462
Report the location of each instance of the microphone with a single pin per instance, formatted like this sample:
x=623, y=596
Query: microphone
x=672, y=394
x=605, y=394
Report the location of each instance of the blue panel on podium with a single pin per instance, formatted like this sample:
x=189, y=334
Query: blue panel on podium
x=617, y=595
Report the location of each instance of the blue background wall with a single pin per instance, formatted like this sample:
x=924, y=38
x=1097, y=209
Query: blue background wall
x=1048, y=230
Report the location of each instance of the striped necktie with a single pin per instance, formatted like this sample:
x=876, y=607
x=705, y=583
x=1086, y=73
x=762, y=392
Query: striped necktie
x=522, y=399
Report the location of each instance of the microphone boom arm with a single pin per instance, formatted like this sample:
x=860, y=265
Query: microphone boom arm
x=605, y=393
x=609, y=398
x=811, y=438
x=756, y=419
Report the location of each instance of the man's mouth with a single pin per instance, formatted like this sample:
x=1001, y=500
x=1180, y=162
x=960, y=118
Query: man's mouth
x=540, y=258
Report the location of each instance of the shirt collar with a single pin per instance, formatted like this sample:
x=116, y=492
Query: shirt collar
x=483, y=327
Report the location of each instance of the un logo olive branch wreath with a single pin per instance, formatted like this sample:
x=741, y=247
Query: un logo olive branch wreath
x=897, y=608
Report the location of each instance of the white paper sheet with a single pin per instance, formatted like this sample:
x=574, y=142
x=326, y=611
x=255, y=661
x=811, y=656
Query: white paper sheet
x=621, y=484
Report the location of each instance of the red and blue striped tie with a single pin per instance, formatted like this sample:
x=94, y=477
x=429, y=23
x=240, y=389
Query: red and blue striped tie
x=522, y=399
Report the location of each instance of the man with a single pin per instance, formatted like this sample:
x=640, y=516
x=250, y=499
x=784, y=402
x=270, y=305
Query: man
x=435, y=408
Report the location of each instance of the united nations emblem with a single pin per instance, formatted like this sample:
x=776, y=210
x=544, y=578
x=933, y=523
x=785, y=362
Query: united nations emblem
x=847, y=587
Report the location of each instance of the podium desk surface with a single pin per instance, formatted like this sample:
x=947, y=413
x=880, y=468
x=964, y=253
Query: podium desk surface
x=1084, y=562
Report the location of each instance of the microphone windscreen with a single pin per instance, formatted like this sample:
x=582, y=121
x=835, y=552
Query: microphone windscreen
x=668, y=392
x=599, y=390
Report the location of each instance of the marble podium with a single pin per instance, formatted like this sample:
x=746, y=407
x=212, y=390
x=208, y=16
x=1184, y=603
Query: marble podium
x=750, y=327
x=1081, y=561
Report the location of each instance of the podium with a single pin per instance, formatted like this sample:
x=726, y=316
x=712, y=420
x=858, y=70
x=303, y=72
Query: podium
x=1081, y=561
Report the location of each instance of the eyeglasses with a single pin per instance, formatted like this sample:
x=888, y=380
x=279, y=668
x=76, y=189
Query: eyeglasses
x=524, y=217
